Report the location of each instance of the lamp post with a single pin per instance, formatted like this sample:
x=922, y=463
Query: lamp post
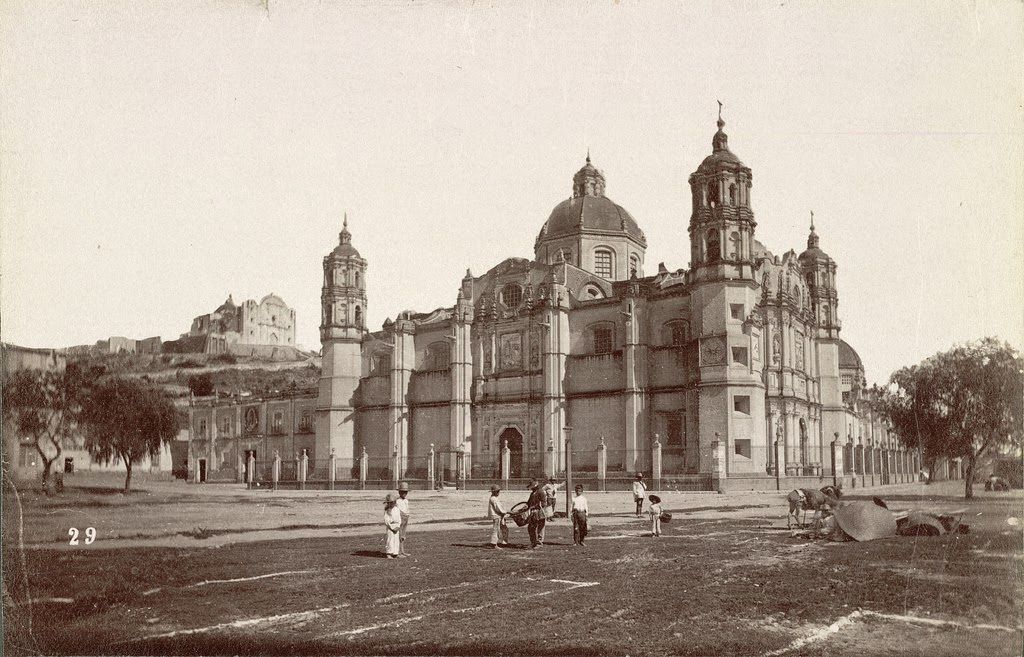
x=568, y=471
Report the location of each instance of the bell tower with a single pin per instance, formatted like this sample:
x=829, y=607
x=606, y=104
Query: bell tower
x=342, y=328
x=723, y=298
x=722, y=221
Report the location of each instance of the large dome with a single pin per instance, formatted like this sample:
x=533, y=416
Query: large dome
x=591, y=213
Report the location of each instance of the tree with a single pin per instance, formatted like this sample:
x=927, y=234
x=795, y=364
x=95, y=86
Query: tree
x=44, y=405
x=126, y=419
x=960, y=403
x=201, y=385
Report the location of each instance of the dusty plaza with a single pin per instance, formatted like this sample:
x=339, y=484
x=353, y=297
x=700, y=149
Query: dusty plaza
x=180, y=569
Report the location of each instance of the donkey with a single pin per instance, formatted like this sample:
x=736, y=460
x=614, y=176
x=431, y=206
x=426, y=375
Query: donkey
x=815, y=500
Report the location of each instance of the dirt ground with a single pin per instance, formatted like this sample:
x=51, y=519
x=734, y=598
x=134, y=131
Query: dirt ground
x=202, y=570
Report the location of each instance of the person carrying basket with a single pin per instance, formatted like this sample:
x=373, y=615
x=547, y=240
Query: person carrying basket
x=496, y=512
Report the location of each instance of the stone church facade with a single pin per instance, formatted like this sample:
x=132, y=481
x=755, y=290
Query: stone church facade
x=710, y=364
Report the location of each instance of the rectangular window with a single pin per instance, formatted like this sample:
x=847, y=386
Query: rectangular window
x=739, y=355
x=847, y=379
x=202, y=428
x=674, y=429
x=743, y=448
x=736, y=311
x=679, y=336
x=225, y=426
x=305, y=423
x=603, y=264
x=278, y=422
x=741, y=404
x=603, y=341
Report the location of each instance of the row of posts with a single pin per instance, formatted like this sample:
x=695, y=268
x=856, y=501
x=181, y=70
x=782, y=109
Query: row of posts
x=905, y=465
x=302, y=470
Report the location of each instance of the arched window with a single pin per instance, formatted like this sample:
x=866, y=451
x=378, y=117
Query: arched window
x=359, y=316
x=437, y=356
x=732, y=194
x=604, y=263
x=634, y=266
x=357, y=279
x=675, y=333
x=713, y=194
x=714, y=246
x=328, y=315
x=593, y=292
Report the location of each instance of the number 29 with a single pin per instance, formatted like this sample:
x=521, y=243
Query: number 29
x=90, y=535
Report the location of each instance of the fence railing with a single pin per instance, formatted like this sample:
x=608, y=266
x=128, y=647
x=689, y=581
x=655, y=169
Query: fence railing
x=672, y=468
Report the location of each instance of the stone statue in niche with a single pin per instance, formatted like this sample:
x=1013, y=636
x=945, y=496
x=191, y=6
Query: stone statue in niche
x=487, y=355
x=776, y=348
x=535, y=351
x=757, y=347
x=799, y=352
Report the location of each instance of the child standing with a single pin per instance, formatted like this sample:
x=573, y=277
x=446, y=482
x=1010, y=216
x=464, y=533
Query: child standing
x=655, y=512
x=639, y=488
x=392, y=523
x=580, y=511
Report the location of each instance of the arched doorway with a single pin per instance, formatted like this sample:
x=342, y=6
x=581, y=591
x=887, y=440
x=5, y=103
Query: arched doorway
x=514, y=440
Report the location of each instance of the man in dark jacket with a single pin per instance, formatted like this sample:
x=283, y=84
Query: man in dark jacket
x=535, y=504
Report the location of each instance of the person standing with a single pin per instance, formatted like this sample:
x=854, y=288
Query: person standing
x=535, y=505
x=402, y=503
x=551, y=494
x=655, y=512
x=580, y=511
x=639, y=490
x=392, y=523
x=496, y=512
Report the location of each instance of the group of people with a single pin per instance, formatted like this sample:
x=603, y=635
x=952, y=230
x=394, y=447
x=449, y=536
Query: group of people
x=540, y=508
x=396, y=521
x=656, y=512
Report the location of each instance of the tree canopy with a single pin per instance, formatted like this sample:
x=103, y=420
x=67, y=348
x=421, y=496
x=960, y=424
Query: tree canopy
x=128, y=420
x=960, y=403
x=44, y=405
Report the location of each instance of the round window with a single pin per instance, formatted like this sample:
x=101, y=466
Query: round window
x=511, y=295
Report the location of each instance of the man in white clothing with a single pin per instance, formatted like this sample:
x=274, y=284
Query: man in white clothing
x=639, y=489
x=496, y=512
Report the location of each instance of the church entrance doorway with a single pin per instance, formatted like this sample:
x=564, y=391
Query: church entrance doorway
x=514, y=440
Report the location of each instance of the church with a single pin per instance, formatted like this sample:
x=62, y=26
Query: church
x=703, y=368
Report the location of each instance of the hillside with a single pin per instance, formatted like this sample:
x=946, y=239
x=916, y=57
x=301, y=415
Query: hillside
x=228, y=374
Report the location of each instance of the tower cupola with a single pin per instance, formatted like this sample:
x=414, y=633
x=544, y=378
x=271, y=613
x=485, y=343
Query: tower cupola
x=721, y=222
x=343, y=297
x=819, y=270
x=588, y=181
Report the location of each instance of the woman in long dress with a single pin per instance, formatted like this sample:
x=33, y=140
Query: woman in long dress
x=392, y=522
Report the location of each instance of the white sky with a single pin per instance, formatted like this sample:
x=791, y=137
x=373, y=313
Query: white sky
x=157, y=156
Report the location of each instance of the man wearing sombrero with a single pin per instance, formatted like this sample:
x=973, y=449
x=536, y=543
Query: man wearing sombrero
x=639, y=488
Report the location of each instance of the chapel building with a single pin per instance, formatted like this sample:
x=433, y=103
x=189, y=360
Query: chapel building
x=712, y=364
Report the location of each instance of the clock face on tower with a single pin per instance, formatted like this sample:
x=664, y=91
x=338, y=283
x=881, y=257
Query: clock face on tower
x=712, y=351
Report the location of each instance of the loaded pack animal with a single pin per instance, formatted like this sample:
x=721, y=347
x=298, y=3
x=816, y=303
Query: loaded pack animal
x=805, y=499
